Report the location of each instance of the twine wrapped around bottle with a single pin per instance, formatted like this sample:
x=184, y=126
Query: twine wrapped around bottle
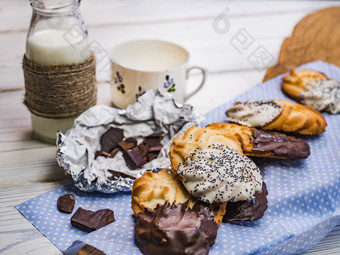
x=60, y=91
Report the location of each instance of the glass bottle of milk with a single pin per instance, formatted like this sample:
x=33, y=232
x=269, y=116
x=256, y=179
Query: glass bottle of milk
x=57, y=35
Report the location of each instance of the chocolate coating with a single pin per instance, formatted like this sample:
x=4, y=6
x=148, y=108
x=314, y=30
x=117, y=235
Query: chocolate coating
x=248, y=210
x=175, y=229
x=280, y=144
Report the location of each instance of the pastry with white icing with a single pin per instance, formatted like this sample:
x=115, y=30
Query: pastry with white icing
x=253, y=113
x=292, y=117
x=313, y=89
x=220, y=174
x=211, y=164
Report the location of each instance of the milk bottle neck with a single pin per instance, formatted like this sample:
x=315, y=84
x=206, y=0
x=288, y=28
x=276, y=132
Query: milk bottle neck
x=57, y=34
x=55, y=7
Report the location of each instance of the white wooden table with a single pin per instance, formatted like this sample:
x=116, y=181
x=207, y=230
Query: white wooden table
x=28, y=167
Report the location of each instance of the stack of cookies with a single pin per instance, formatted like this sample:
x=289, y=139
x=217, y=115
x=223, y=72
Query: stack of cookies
x=212, y=180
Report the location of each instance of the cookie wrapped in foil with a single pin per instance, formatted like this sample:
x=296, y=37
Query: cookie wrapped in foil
x=154, y=112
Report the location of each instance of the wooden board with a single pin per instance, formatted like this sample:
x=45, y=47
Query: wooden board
x=315, y=37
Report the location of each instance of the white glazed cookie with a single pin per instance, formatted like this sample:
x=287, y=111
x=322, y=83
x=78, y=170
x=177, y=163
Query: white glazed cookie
x=293, y=117
x=218, y=174
x=253, y=113
x=313, y=89
x=322, y=95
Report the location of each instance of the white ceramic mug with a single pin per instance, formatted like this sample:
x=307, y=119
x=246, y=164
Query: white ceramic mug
x=140, y=65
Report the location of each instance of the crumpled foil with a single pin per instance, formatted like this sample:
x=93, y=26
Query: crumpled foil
x=154, y=112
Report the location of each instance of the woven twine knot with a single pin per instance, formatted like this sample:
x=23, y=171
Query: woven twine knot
x=60, y=91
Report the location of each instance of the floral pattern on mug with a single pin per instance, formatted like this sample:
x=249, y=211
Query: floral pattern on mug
x=169, y=84
x=118, y=79
x=140, y=92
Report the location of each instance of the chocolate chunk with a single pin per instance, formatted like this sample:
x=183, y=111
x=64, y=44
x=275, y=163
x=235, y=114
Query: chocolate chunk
x=247, y=210
x=101, y=153
x=143, y=149
x=89, y=250
x=112, y=154
x=66, y=203
x=115, y=175
x=279, y=144
x=111, y=138
x=133, y=158
x=156, y=148
x=152, y=155
x=175, y=229
x=128, y=143
x=90, y=220
x=154, y=142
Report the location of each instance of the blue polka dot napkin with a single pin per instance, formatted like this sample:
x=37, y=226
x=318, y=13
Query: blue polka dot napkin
x=303, y=198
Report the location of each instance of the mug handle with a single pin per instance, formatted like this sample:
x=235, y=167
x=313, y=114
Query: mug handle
x=203, y=72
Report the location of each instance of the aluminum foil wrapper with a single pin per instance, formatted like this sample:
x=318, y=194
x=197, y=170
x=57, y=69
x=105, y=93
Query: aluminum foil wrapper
x=154, y=112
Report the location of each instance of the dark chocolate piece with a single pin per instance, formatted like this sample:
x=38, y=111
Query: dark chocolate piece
x=280, y=144
x=128, y=143
x=133, y=158
x=101, y=153
x=111, y=138
x=112, y=154
x=66, y=203
x=90, y=220
x=154, y=142
x=115, y=175
x=89, y=250
x=175, y=229
x=248, y=210
x=156, y=148
x=143, y=149
x=152, y=155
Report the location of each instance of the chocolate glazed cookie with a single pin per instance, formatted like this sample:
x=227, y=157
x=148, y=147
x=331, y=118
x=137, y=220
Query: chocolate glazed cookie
x=265, y=144
x=175, y=230
x=248, y=210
